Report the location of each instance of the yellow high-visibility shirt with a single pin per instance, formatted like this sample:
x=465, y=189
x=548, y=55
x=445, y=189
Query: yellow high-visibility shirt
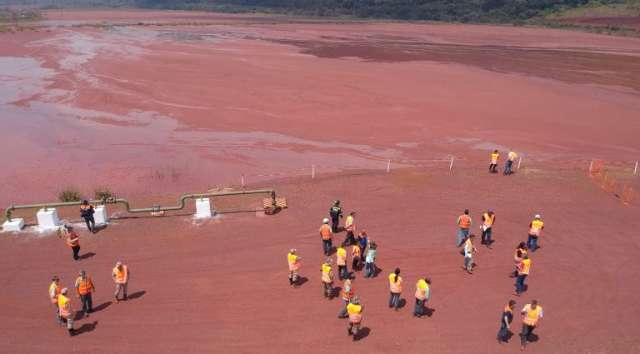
x=537, y=224
x=422, y=284
x=292, y=258
x=353, y=309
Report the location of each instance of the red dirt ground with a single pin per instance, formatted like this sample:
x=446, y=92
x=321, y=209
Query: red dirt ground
x=152, y=111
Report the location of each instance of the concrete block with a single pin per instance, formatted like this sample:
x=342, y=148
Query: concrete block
x=48, y=219
x=203, y=208
x=16, y=224
x=100, y=216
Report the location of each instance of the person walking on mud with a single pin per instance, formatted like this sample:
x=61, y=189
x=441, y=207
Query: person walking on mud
x=488, y=219
x=326, y=234
x=505, y=323
x=66, y=310
x=341, y=261
x=327, y=279
x=468, y=250
x=86, y=212
x=54, y=292
x=535, y=230
x=508, y=165
x=523, y=271
x=423, y=293
x=464, y=224
x=493, y=166
x=84, y=288
x=336, y=213
x=370, y=261
x=532, y=313
x=363, y=242
x=347, y=293
x=120, y=275
x=354, y=311
x=350, y=227
x=294, y=266
x=395, y=287
x=72, y=239
x=518, y=256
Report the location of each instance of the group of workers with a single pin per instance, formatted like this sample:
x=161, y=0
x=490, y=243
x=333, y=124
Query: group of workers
x=84, y=289
x=531, y=312
x=508, y=165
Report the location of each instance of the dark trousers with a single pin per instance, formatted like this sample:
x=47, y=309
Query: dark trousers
x=419, y=308
x=369, y=270
x=91, y=223
x=394, y=300
x=326, y=246
x=520, y=283
x=76, y=250
x=526, y=332
x=507, y=167
x=335, y=223
x=493, y=168
x=532, y=242
x=355, y=264
x=327, y=289
x=486, y=236
x=350, y=239
x=87, y=303
x=343, y=273
x=503, y=332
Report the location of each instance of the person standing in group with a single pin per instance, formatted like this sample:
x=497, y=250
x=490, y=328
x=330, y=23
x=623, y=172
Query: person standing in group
x=326, y=234
x=531, y=313
x=363, y=241
x=423, y=294
x=523, y=271
x=336, y=213
x=518, y=256
x=356, y=257
x=54, y=292
x=66, y=310
x=350, y=227
x=468, y=251
x=488, y=219
x=327, y=279
x=341, y=262
x=72, y=239
x=505, y=323
x=464, y=224
x=493, y=166
x=508, y=165
x=120, y=275
x=395, y=287
x=86, y=212
x=346, y=294
x=370, y=261
x=84, y=288
x=354, y=311
x=294, y=265
x=535, y=230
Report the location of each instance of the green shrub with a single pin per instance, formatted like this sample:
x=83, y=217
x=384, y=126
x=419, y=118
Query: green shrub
x=102, y=193
x=69, y=194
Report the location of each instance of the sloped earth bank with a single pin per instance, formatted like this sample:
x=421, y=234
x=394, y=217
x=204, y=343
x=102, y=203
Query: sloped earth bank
x=153, y=111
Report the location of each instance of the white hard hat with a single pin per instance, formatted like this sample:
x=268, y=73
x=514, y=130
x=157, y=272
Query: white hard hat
x=537, y=216
x=325, y=221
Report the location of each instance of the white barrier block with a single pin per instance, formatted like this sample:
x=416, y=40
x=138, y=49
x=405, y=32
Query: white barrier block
x=203, y=208
x=48, y=219
x=100, y=216
x=16, y=224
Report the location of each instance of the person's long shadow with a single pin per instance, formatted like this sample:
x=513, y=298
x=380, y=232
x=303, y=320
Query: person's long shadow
x=85, y=328
x=136, y=295
x=377, y=271
x=402, y=303
x=99, y=228
x=363, y=333
x=428, y=311
x=301, y=281
x=86, y=255
x=102, y=306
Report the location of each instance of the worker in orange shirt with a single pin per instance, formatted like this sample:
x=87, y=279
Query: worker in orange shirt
x=395, y=287
x=326, y=235
x=532, y=313
x=488, y=219
x=356, y=257
x=347, y=293
x=54, y=292
x=66, y=310
x=120, y=275
x=493, y=166
x=508, y=165
x=505, y=322
x=464, y=224
x=523, y=271
x=354, y=311
x=294, y=265
x=350, y=227
x=72, y=239
x=535, y=230
x=84, y=288
x=327, y=279
x=518, y=255
x=423, y=294
x=341, y=261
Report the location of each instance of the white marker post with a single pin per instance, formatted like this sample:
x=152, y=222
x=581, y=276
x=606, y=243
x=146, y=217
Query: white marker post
x=389, y=166
x=591, y=166
x=519, y=162
x=635, y=169
x=313, y=171
x=242, y=181
x=451, y=164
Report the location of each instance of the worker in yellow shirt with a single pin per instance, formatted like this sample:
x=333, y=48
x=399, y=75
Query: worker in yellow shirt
x=354, y=311
x=347, y=293
x=395, y=287
x=493, y=166
x=488, y=219
x=535, y=230
x=294, y=262
x=66, y=311
x=350, y=227
x=54, y=292
x=341, y=261
x=518, y=256
x=532, y=313
x=508, y=165
x=423, y=293
x=523, y=271
x=327, y=279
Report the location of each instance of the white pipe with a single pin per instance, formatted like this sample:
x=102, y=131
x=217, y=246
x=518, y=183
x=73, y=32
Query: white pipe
x=313, y=171
x=389, y=166
x=451, y=164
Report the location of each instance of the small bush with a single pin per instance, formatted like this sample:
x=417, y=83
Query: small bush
x=69, y=195
x=102, y=193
